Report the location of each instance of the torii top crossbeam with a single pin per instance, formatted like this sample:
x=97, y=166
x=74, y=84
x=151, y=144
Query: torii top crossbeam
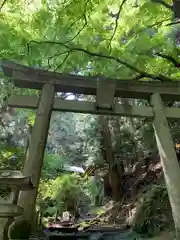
x=28, y=77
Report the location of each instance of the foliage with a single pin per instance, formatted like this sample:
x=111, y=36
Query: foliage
x=153, y=213
x=53, y=165
x=65, y=190
x=97, y=211
x=132, y=138
x=91, y=37
x=73, y=137
x=93, y=189
x=11, y=157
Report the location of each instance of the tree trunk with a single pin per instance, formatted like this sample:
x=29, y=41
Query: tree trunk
x=114, y=177
x=107, y=186
x=176, y=9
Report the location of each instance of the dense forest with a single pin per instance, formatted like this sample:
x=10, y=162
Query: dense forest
x=129, y=40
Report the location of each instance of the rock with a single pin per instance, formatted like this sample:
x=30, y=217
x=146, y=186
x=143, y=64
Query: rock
x=19, y=229
x=96, y=236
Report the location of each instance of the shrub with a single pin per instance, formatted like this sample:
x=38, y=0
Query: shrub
x=153, y=213
x=67, y=190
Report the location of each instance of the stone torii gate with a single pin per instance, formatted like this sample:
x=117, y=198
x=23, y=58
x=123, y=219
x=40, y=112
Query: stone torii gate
x=105, y=90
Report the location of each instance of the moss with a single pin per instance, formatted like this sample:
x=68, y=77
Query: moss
x=19, y=229
x=153, y=213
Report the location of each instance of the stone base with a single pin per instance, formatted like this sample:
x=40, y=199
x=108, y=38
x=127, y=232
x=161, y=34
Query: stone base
x=19, y=229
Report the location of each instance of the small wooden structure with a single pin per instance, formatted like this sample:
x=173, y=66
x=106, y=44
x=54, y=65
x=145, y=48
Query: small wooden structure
x=106, y=91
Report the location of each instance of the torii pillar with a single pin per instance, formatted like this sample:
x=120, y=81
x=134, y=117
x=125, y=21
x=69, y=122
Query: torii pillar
x=168, y=157
x=34, y=161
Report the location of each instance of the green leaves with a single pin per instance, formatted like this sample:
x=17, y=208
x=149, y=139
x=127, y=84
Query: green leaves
x=11, y=157
x=65, y=189
x=88, y=25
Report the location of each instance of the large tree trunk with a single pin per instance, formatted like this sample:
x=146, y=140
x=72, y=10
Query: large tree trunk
x=176, y=9
x=113, y=170
x=107, y=186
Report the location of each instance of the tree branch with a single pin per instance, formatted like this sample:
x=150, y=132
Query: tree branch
x=141, y=74
x=156, y=24
x=2, y=5
x=170, y=59
x=55, y=55
x=173, y=23
x=168, y=6
x=60, y=65
x=75, y=49
x=84, y=25
x=80, y=30
x=116, y=21
x=73, y=23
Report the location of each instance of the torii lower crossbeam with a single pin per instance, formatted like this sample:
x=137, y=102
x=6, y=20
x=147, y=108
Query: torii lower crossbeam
x=31, y=102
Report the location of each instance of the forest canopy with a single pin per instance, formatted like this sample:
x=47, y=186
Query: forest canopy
x=118, y=39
